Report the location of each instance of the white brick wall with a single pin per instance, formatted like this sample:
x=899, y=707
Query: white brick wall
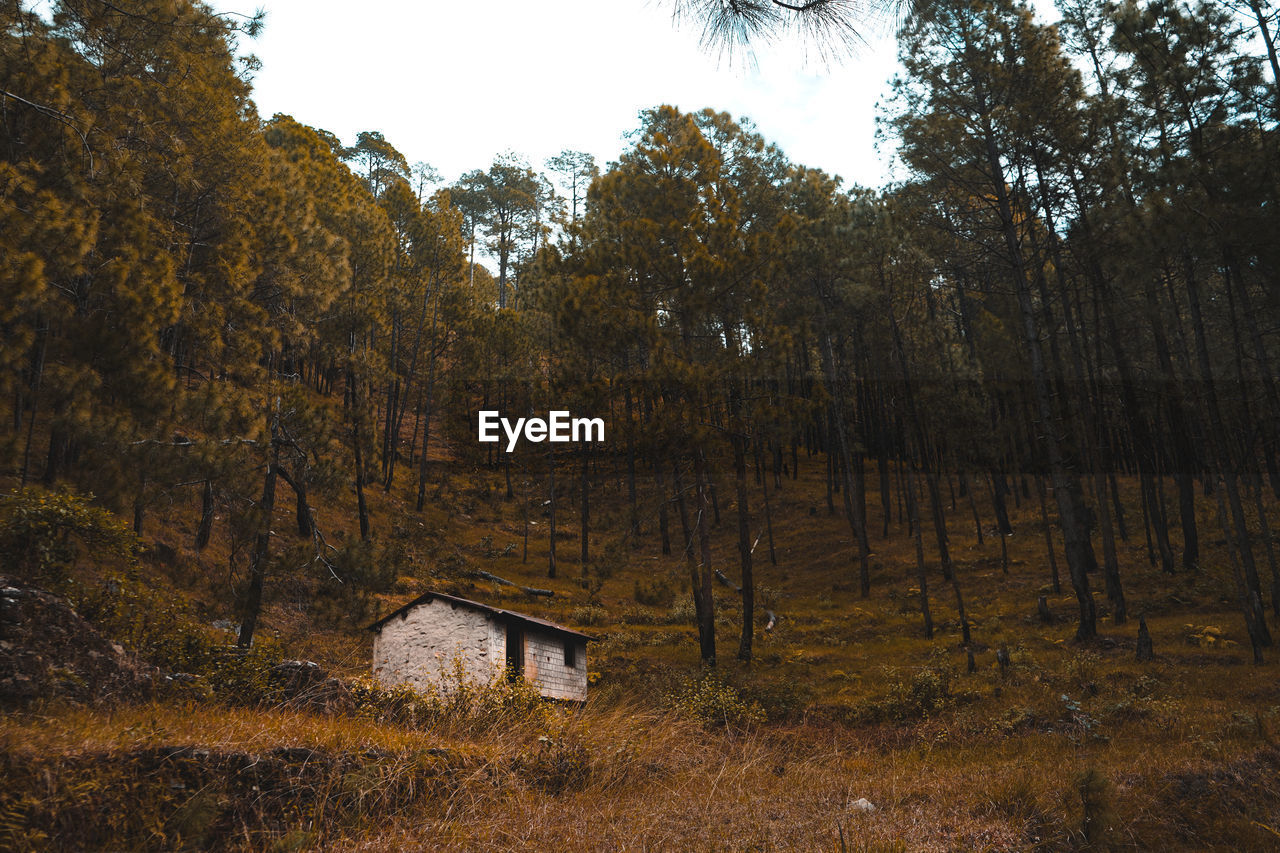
x=419, y=649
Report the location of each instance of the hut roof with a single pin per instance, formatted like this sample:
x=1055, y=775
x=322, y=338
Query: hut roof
x=498, y=612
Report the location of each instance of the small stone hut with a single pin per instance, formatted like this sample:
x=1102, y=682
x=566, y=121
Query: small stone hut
x=419, y=643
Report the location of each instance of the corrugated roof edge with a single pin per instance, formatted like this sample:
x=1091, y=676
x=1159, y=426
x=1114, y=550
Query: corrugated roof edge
x=475, y=605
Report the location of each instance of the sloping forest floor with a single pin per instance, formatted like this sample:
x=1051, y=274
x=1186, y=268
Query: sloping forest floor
x=847, y=731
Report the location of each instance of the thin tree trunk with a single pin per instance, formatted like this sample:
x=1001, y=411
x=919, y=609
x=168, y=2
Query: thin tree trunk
x=703, y=603
x=768, y=511
x=586, y=510
x=1048, y=537
x=664, y=503
x=357, y=443
x=922, y=574
x=206, y=516
x=1226, y=473
x=856, y=524
x=744, y=547
x=262, y=544
x=551, y=512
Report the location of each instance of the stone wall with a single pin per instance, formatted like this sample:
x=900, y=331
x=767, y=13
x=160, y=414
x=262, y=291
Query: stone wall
x=419, y=648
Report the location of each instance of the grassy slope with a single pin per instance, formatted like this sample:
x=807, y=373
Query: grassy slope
x=864, y=706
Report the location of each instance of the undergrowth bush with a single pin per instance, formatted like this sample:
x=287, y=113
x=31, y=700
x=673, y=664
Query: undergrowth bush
x=589, y=616
x=779, y=700
x=562, y=761
x=345, y=586
x=925, y=693
x=41, y=535
x=162, y=630
x=459, y=702
x=654, y=593
x=682, y=613
x=715, y=703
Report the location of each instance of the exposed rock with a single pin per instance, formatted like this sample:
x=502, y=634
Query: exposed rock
x=304, y=684
x=48, y=652
x=184, y=685
x=862, y=804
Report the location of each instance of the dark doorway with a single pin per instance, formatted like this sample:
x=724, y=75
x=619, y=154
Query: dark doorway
x=515, y=651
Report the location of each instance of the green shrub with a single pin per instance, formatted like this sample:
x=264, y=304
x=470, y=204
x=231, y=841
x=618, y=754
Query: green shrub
x=588, y=616
x=41, y=535
x=927, y=692
x=715, y=703
x=162, y=630
x=779, y=700
x=350, y=577
x=682, y=613
x=1097, y=815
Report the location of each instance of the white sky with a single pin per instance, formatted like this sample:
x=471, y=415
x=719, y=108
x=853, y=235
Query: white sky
x=457, y=83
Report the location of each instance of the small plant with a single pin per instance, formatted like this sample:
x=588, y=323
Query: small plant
x=927, y=692
x=1206, y=636
x=682, y=613
x=589, y=616
x=780, y=700
x=561, y=762
x=1014, y=721
x=715, y=703
x=1079, y=722
x=654, y=593
x=1095, y=801
x=1082, y=668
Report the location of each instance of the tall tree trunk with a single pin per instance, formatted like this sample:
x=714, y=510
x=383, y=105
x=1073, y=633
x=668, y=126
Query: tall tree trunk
x=857, y=526
x=586, y=510
x=1066, y=485
x=357, y=443
x=632, y=499
x=34, y=383
x=206, y=516
x=922, y=574
x=1255, y=621
x=1048, y=537
x=744, y=547
x=768, y=511
x=261, y=544
x=664, y=503
x=707, y=628
x=699, y=576
x=551, y=514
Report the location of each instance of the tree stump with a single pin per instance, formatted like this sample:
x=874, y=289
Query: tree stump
x=1145, y=652
x=1042, y=610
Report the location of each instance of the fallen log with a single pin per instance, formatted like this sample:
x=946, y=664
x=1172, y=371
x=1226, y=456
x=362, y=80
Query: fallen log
x=527, y=590
x=720, y=576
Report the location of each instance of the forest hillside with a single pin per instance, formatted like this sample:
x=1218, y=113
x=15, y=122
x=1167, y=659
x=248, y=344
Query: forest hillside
x=939, y=516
